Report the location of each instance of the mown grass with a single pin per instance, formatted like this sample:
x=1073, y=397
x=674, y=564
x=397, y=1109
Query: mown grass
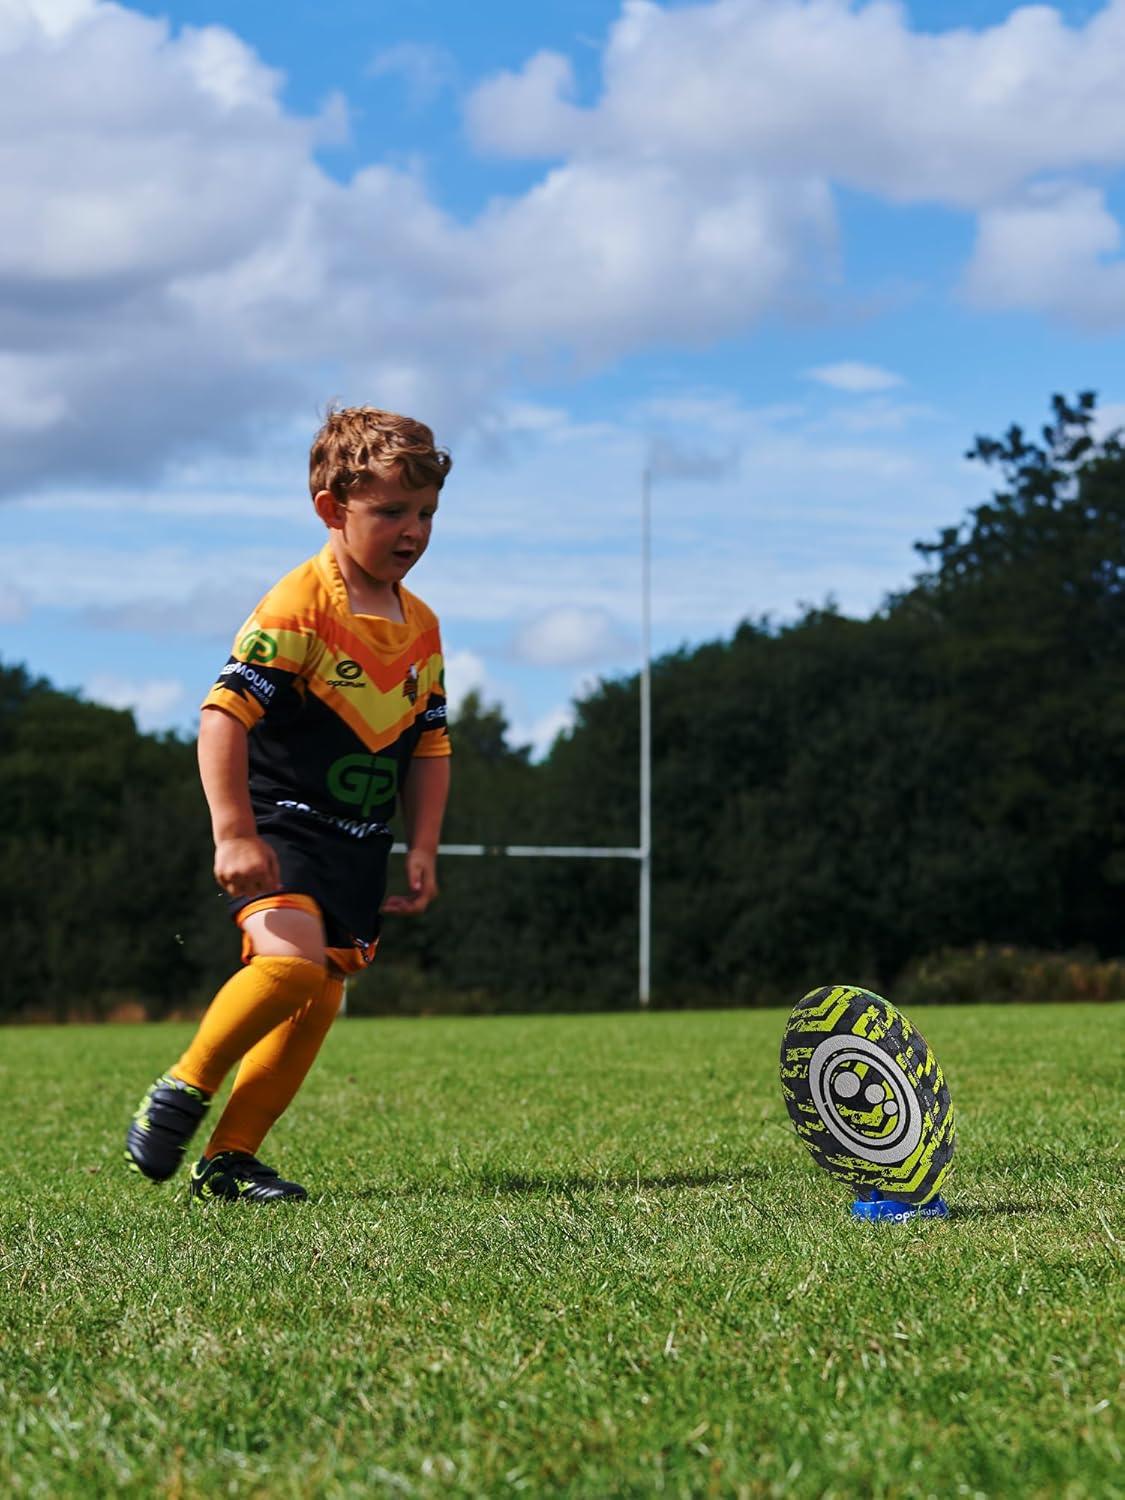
x=565, y=1255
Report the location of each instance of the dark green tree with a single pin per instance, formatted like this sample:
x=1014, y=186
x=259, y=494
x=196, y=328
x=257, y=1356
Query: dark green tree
x=104, y=858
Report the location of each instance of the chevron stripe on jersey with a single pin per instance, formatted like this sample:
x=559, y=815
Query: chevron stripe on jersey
x=334, y=700
x=378, y=717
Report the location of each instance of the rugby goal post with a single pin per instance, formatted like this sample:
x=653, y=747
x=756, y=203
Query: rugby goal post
x=577, y=851
x=642, y=854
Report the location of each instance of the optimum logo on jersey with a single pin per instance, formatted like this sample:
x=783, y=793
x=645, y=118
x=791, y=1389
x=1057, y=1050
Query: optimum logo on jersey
x=349, y=674
x=866, y=1094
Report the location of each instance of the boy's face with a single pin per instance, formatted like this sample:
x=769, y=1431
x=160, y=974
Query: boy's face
x=384, y=527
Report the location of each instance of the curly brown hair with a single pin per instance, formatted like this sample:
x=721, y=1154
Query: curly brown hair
x=355, y=441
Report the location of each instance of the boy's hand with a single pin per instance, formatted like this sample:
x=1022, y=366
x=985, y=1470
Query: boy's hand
x=421, y=878
x=246, y=866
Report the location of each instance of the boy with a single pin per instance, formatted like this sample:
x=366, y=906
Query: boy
x=331, y=707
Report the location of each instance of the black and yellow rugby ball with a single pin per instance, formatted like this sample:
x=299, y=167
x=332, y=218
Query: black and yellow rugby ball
x=866, y=1094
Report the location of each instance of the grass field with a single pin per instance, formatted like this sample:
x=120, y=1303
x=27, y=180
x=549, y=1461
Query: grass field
x=565, y=1255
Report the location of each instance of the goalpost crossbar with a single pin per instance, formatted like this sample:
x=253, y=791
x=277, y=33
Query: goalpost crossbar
x=574, y=851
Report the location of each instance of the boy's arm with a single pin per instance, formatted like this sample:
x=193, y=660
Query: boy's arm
x=423, y=806
x=245, y=865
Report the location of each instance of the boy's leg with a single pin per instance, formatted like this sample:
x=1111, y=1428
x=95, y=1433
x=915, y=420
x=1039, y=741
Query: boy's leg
x=285, y=971
x=284, y=946
x=272, y=1072
x=251, y=1004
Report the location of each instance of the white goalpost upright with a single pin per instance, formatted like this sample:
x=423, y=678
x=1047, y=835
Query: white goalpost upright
x=642, y=854
x=645, y=851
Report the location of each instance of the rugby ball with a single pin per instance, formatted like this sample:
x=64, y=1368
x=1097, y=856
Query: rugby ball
x=866, y=1094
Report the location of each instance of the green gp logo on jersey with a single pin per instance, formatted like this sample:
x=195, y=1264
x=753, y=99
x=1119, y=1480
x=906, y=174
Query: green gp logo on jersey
x=258, y=647
x=363, y=781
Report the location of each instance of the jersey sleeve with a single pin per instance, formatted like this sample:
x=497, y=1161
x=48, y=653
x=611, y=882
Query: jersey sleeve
x=434, y=739
x=268, y=664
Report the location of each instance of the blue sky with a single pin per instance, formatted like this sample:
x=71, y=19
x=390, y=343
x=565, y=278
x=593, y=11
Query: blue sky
x=795, y=253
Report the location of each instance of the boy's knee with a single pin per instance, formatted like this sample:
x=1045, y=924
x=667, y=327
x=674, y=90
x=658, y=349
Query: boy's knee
x=285, y=933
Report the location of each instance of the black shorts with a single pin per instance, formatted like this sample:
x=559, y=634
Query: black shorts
x=341, y=866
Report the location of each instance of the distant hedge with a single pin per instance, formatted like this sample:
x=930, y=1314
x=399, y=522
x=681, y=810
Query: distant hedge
x=1001, y=974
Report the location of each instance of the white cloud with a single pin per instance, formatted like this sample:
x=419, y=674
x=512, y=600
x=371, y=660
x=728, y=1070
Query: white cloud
x=545, y=548
x=714, y=412
x=855, y=377
x=28, y=402
x=819, y=92
x=174, y=262
x=568, y=636
x=211, y=611
x=133, y=161
x=139, y=157
x=831, y=87
x=14, y=605
x=1110, y=418
x=154, y=701
x=22, y=20
x=529, y=113
x=671, y=458
x=542, y=732
x=426, y=70
x=465, y=673
x=1057, y=248
x=533, y=416
x=151, y=589
x=879, y=414
x=542, y=550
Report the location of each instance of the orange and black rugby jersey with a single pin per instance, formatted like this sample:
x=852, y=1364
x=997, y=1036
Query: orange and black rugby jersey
x=337, y=703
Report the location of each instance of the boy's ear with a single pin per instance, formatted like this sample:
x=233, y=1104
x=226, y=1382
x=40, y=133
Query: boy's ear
x=329, y=509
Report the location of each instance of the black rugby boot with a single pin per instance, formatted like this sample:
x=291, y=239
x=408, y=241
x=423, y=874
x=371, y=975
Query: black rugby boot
x=166, y=1119
x=236, y=1176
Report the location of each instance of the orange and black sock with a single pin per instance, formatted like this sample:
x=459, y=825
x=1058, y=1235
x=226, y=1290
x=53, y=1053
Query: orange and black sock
x=273, y=1071
x=252, y=1004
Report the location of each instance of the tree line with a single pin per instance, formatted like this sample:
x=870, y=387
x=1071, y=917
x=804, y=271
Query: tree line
x=831, y=797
